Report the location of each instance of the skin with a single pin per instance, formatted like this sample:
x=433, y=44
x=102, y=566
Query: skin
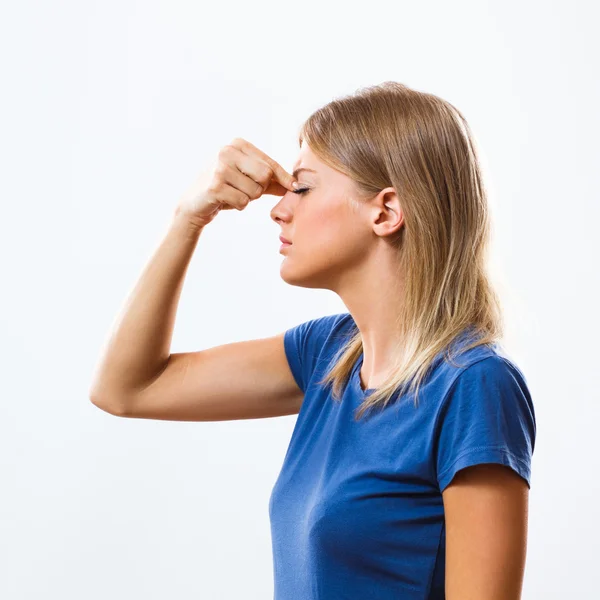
x=346, y=250
x=486, y=511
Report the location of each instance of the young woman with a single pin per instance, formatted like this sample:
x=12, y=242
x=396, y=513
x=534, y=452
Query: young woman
x=408, y=471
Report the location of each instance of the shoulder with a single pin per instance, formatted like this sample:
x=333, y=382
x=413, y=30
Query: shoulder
x=317, y=331
x=487, y=385
x=487, y=368
x=314, y=341
x=481, y=363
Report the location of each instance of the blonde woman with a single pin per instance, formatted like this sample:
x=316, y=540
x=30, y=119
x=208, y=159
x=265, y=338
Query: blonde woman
x=408, y=471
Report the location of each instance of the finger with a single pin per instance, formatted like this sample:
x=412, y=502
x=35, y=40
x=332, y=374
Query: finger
x=242, y=181
x=275, y=189
x=243, y=171
x=280, y=174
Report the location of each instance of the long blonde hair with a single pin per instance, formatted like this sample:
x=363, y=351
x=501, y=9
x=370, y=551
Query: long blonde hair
x=421, y=145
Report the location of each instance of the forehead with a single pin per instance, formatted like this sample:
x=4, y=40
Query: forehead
x=306, y=158
x=308, y=165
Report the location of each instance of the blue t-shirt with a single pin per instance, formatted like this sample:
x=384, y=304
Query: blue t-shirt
x=357, y=512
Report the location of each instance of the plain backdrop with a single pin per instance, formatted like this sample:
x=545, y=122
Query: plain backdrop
x=108, y=112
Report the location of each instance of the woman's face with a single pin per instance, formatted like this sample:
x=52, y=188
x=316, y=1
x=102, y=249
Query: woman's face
x=330, y=239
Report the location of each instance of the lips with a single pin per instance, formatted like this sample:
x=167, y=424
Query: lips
x=283, y=240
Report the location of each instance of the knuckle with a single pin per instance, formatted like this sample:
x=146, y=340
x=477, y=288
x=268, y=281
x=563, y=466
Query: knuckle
x=266, y=173
x=220, y=170
x=225, y=151
x=214, y=188
x=238, y=141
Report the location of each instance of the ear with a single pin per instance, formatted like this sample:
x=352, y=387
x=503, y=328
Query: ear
x=388, y=217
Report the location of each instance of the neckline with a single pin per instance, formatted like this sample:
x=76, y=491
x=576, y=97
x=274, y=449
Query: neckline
x=356, y=377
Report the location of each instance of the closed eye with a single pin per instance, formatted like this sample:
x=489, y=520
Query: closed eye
x=301, y=191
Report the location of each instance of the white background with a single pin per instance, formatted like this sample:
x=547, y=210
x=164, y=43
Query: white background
x=109, y=110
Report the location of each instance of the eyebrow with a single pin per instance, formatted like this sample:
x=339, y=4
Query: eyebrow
x=296, y=171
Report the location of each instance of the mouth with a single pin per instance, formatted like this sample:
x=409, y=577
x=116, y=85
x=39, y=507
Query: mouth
x=285, y=243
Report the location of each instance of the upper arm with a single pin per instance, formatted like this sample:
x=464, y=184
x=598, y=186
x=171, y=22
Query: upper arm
x=242, y=380
x=486, y=514
x=485, y=436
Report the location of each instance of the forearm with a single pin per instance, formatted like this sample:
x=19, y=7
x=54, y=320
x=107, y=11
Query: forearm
x=139, y=342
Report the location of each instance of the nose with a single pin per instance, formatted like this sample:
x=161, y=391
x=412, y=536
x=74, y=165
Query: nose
x=280, y=212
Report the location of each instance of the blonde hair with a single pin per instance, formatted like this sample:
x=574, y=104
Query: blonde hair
x=391, y=135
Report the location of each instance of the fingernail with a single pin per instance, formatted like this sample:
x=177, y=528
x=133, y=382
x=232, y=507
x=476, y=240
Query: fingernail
x=294, y=184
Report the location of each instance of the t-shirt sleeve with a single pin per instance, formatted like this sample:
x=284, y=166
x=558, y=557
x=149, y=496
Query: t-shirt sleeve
x=303, y=345
x=486, y=417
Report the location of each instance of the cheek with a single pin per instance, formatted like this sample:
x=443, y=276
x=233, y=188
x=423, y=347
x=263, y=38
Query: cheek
x=325, y=225
x=329, y=238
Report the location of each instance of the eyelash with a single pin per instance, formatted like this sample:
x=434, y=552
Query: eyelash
x=301, y=191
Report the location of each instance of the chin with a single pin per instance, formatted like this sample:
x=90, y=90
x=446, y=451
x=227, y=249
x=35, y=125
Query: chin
x=313, y=279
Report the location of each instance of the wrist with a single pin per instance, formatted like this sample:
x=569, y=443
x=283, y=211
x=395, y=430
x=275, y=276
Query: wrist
x=186, y=222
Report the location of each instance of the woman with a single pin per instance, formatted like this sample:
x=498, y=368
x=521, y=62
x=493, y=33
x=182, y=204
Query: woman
x=408, y=471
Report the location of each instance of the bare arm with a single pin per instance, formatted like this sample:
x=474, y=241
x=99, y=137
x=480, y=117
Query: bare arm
x=139, y=343
x=137, y=351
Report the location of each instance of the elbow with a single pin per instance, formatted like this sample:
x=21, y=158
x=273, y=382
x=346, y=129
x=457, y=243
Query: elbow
x=114, y=408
